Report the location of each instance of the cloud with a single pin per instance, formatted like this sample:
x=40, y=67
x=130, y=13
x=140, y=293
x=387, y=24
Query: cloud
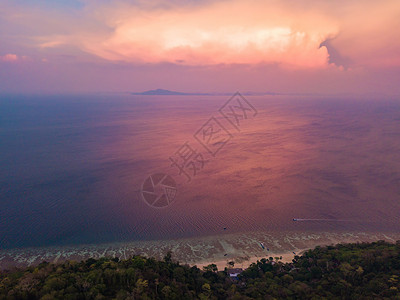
x=285, y=32
x=369, y=33
x=335, y=57
x=187, y=33
x=291, y=34
x=227, y=32
x=9, y=58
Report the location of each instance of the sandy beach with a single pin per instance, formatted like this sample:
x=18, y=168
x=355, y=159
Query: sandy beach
x=242, y=248
x=245, y=262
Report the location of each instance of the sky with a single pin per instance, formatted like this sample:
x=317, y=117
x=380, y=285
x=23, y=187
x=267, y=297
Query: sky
x=287, y=46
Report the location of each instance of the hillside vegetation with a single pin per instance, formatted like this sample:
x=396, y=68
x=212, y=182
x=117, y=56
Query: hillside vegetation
x=344, y=271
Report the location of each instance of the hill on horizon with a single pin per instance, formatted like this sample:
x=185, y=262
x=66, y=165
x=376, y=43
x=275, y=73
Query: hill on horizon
x=166, y=93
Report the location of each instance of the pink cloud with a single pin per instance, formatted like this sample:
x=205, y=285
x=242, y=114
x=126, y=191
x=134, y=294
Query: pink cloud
x=222, y=45
x=286, y=33
x=226, y=32
x=9, y=58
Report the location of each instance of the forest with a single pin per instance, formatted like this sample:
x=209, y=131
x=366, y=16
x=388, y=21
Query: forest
x=343, y=271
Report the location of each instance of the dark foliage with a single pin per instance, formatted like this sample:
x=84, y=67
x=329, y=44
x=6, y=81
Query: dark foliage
x=348, y=271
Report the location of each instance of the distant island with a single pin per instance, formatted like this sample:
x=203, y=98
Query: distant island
x=163, y=92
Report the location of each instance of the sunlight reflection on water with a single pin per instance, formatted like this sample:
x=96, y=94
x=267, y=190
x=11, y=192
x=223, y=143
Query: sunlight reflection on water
x=72, y=167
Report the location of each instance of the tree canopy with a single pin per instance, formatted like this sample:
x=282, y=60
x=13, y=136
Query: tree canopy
x=344, y=271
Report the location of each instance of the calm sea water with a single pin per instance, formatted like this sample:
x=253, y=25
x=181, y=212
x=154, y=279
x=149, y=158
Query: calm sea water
x=71, y=167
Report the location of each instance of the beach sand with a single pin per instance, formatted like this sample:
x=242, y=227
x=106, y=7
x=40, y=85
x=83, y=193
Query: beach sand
x=242, y=248
x=244, y=262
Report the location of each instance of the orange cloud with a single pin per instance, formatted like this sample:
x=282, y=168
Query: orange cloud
x=241, y=32
x=286, y=33
x=9, y=58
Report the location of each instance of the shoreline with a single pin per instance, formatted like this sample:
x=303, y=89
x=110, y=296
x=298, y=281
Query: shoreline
x=243, y=248
x=245, y=262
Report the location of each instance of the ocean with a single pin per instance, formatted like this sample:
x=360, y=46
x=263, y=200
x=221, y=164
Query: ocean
x=77, y=169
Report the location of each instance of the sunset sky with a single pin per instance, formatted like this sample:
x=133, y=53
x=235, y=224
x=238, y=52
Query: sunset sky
x=328, y=47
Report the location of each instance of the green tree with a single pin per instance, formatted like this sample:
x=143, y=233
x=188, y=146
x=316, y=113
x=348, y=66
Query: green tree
x=211, y=268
